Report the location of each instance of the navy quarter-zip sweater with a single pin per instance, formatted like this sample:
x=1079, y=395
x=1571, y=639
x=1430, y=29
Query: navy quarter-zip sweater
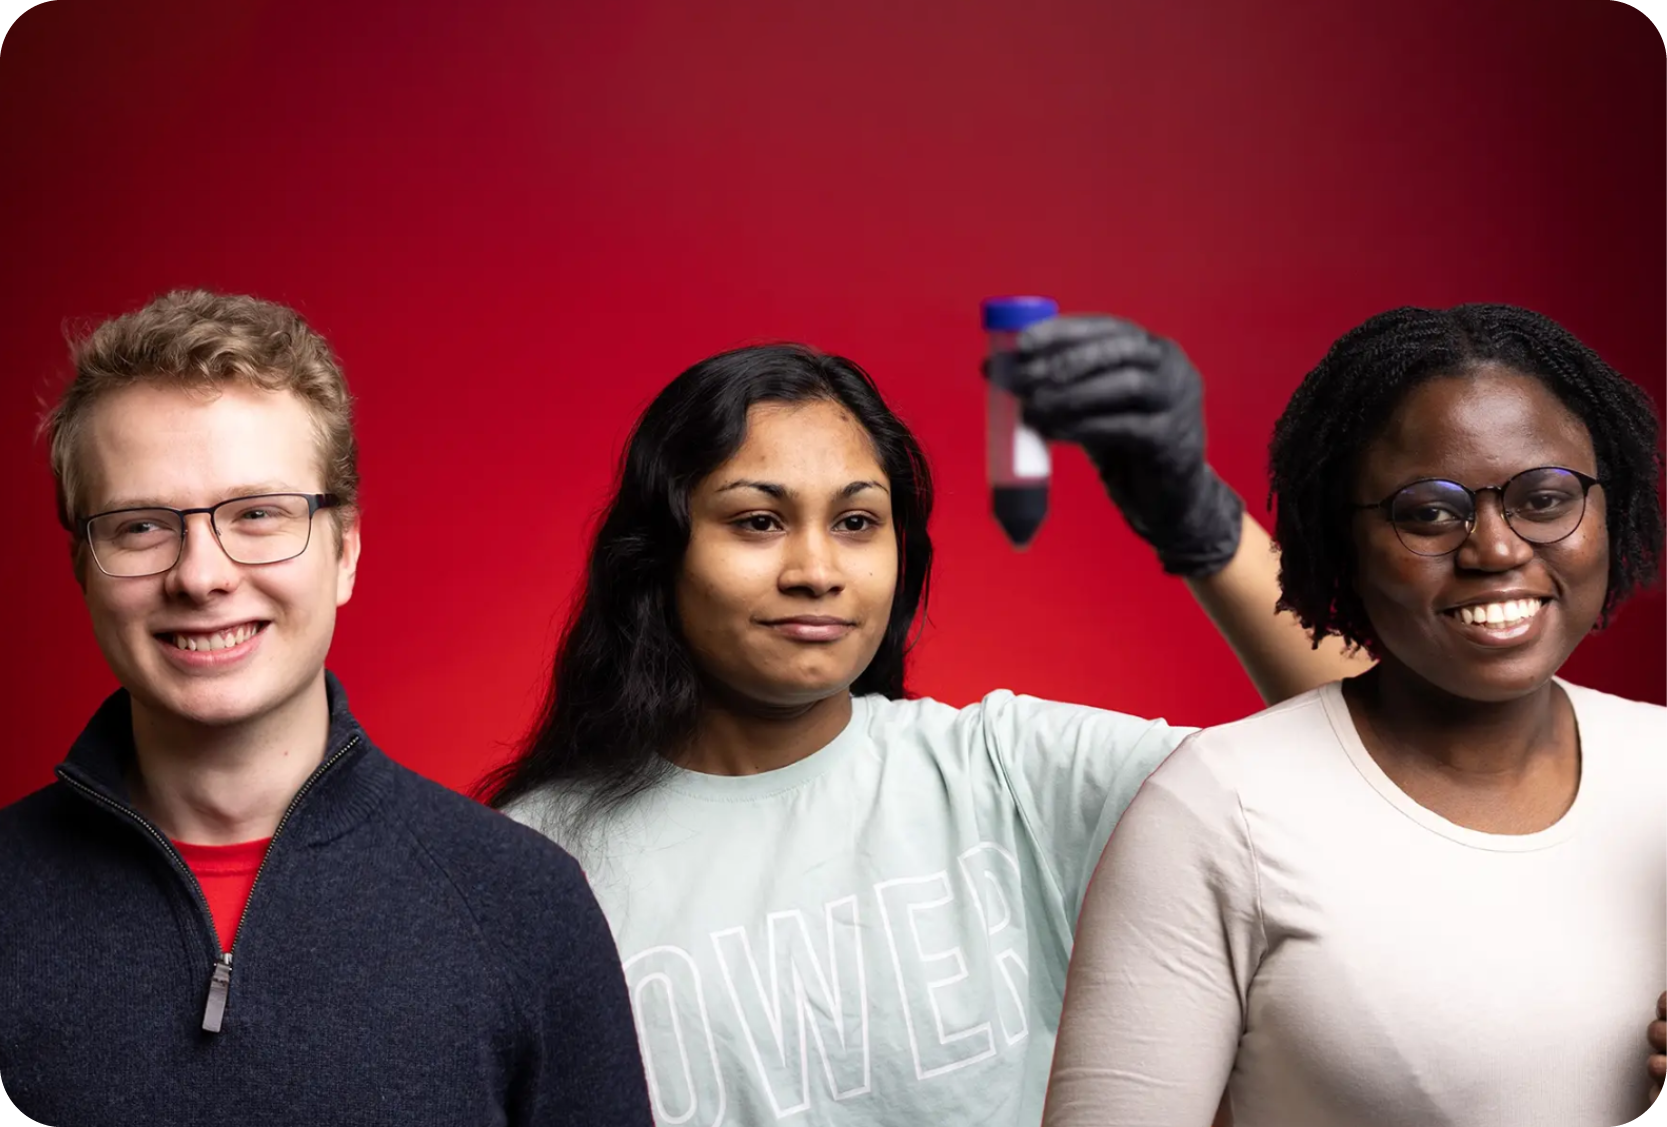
x=407, y=957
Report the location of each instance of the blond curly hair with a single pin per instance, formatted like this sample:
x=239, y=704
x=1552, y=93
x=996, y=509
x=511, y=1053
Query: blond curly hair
x=201, y=340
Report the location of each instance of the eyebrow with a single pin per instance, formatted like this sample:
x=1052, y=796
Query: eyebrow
x=783, y=493
x=255, y=490
x=1454, y=478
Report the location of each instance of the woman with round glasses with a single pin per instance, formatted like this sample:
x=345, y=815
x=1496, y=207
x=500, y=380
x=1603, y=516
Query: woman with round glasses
x=1435, y=893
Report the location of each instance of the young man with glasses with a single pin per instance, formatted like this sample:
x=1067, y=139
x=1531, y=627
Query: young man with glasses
x=231, y=907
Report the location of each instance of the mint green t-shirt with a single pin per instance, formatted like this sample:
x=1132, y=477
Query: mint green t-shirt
x=876, y=934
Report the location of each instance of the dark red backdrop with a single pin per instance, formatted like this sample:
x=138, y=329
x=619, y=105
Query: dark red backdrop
x=517, y=220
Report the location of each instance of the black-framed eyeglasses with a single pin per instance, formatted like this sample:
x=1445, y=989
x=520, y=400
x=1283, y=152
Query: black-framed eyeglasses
x=1434, y=517
x=261, y=529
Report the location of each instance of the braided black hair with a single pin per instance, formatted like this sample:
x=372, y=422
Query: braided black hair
x=1345, y=401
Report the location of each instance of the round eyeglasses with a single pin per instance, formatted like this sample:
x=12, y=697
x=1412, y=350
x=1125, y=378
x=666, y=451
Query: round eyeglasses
x=1434, y=517
x=262, y=529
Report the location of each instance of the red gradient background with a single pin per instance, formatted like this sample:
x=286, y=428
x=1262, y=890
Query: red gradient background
x=517, y=220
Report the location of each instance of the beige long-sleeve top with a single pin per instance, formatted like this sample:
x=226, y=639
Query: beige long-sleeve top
x=1273, y=915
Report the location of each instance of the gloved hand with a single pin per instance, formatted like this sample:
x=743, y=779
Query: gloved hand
x=1134, y=403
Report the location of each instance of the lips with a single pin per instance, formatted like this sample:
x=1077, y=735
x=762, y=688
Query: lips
x=1506, y=619
x=812, y=628
x=212, y=648
x=217, y=638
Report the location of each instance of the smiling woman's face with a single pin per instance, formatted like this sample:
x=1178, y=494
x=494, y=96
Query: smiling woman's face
x=1480, y=429
x=787, y=584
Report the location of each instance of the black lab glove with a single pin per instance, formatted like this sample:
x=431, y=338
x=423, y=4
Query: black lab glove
x=1134, y=403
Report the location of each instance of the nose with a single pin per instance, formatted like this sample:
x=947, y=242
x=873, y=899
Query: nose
x=203, y=568
x=1492, y=544
x=811, y=563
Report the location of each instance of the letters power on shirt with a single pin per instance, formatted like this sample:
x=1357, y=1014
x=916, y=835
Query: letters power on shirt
x=877, y=934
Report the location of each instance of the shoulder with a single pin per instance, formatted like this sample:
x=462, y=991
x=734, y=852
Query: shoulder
x=1288, y=739
x=493, y=860
x=44, y=820
x=1300, y=718
x=530, y=900
x=884, y=714
x=1621, y=713
x=34, y=826
x=34, y=809
x=1626, y=733
x=550, y=810
x=1007, y=719
x=536, y=918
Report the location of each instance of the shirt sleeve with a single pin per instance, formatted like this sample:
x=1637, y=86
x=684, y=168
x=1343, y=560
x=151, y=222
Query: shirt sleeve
x=1072, y=770
x=1170, y=935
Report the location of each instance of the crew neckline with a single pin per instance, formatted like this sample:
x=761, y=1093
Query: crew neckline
x=1342, y=722
x=766, y=784
x=223, y=860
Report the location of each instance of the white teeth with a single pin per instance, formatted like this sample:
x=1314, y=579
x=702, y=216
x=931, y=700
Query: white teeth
x=1506, y=613
x=223, y=640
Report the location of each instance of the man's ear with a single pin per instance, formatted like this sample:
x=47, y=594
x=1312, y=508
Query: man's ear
x=79, y=561
x=347, y=556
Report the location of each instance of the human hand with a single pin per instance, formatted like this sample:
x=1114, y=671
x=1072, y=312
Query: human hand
x=1658, y=1047
x=1134, y=403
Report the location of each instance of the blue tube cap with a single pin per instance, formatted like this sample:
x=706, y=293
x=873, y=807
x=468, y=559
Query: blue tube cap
x=1011, y=314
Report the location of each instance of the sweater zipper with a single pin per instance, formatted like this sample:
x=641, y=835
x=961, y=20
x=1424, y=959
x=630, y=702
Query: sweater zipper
x=220, y=978
x=220, y=982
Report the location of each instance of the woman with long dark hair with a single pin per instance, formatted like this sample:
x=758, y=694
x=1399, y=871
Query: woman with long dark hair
x=1435, y=893
x=831, y=898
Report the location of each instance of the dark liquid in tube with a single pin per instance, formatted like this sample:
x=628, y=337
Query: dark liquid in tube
x=1019, y=510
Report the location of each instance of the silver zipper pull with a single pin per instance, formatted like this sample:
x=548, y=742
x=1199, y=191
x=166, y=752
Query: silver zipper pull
x=218, y=987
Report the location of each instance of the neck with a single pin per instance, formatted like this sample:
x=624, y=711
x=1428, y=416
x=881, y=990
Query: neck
x=226, y=784
x=734, y=737
x=1412, y=719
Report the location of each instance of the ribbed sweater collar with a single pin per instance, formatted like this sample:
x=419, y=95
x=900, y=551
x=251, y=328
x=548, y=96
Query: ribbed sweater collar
x=341, y=794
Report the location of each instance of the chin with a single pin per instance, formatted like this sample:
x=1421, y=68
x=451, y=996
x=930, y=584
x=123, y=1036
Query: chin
x=213, y=705
x=1505, y=681
x=220, y=711
x=809, y=689
x=809, y=693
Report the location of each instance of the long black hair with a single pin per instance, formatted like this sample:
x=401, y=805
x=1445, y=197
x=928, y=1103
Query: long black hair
x=624, y=689
x=1344, y=402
